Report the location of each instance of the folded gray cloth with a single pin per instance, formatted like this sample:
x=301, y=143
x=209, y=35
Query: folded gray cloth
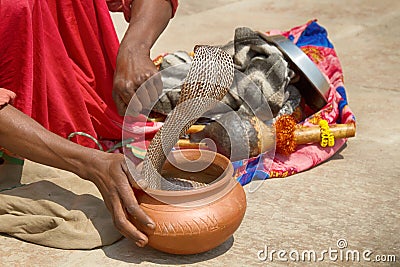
x=263, y=65
x=262, y=77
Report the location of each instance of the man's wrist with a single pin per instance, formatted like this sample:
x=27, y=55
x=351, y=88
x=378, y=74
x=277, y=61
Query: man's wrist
x=137, y=41
x=86, y=164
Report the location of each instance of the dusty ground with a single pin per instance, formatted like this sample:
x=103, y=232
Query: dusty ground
x=353, y=196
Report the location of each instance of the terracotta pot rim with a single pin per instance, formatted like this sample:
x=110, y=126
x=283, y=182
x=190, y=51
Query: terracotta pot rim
x=221, y=180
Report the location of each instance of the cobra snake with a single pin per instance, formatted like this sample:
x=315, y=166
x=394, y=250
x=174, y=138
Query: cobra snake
x=208, y=80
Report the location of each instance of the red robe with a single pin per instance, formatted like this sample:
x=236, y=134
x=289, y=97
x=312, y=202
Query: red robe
x=59, y=58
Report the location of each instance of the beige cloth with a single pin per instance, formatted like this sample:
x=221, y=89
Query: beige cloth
x=56, y=209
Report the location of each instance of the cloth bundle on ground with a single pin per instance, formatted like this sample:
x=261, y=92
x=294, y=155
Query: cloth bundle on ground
x=264, y=65
x=55, y=208
x=313, y=40
x=265, y=75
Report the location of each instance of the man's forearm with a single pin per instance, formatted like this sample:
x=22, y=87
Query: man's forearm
x=148, y=20
x=27, y=138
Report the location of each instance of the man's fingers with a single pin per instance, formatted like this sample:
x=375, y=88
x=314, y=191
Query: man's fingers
x=153, y=94
x=125, y=89
x=136, y=214
x=143, y=97
x=148, y=93
x=135, y=106
x=129, y=201
x=125, y=227
x=121, y=106
x=155, y=87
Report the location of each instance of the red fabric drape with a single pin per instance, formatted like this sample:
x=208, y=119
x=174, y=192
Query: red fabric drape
x=59, y=59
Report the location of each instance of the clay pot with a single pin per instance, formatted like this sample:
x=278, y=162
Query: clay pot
x=200, y=219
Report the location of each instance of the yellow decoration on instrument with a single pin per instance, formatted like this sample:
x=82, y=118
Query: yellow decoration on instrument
x=327, y=138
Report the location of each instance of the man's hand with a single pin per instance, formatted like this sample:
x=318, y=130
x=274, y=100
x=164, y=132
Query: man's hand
x=111, y=176
x=147, y=21
x=134, y=67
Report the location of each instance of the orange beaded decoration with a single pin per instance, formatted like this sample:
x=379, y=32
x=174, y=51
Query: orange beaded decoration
x=284, y=129
x=158, y=60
